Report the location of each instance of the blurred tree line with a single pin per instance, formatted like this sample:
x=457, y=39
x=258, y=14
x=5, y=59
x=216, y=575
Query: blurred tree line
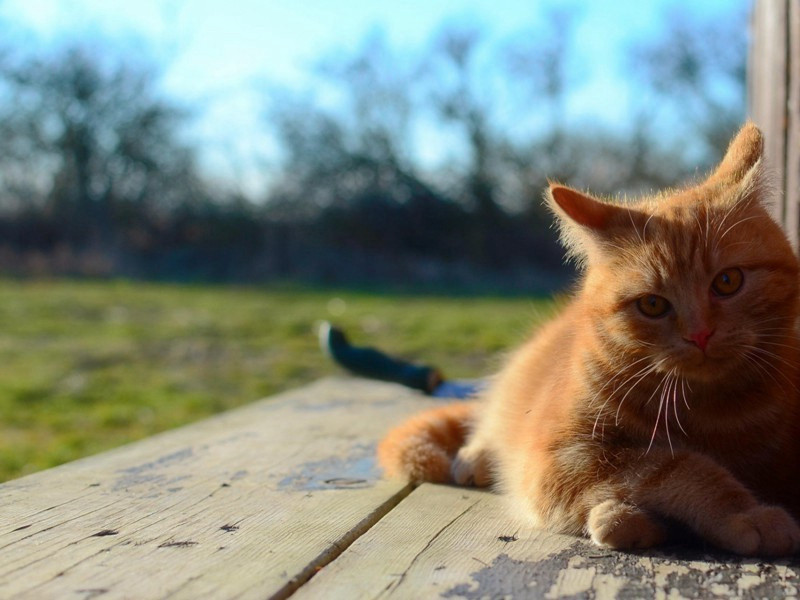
x=96, y=178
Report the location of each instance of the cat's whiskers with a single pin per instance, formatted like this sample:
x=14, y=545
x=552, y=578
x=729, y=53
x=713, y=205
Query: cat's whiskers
x=789, y=331
x=602, y=408
x=770, y=334
x=758, y=363
x=643, y=372
x=675, y=404
x=782, y=333
x=756, y=353
x=672, y=396
x=778, y=344
x=781, y=336
x=658, y=413
x=670, y=386
x=772, y=355
x=613, y=379
x=614, y=390
x=771, y=320
x=640, y=374
x=650, y=370
x=780, y=372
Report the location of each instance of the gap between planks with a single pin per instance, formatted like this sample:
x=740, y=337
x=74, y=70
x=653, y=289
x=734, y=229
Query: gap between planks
x=338, y=547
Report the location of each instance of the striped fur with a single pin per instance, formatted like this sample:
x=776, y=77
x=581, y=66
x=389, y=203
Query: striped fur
x=610, y=423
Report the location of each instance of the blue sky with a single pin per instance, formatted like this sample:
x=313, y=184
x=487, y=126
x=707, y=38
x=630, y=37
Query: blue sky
x=214, y=52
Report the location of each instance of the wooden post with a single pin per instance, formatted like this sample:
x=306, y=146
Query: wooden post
x=774, y=100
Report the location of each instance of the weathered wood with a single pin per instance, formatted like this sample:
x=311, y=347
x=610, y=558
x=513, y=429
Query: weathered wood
x=773, y=98
x=283, y=498
x=448, y=542
x=792, y=185
x=246, y=504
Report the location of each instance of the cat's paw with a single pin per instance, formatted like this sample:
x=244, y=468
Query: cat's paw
x=470, y=467
x=615, y=524
x=762, y=530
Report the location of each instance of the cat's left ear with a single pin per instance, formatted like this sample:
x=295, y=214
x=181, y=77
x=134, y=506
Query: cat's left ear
x=742, y=168
x=744, y=152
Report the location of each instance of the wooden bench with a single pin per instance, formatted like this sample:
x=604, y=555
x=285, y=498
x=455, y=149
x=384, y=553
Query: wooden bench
x=283, y=498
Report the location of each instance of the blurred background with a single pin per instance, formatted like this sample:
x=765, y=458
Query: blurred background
x=186, y=188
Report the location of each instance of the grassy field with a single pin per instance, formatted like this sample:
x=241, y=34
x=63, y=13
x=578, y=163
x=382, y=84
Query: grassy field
x=87, y=366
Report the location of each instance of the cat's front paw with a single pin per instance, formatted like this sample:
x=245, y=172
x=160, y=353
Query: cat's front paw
x=471, y=467
x=619, y=525
x=760, y=531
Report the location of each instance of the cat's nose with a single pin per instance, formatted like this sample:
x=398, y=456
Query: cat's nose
x=700, y=338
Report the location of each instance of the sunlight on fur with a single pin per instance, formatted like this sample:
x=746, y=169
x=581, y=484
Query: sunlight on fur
x=667, y=387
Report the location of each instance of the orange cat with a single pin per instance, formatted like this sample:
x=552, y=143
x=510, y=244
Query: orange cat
x=666, y=389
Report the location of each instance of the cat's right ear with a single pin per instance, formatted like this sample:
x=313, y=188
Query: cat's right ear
x=585, y=221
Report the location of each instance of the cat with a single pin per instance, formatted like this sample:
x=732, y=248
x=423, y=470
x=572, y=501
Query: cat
x=666, y=389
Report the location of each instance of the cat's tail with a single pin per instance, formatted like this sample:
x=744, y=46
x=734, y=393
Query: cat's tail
x=423, y=447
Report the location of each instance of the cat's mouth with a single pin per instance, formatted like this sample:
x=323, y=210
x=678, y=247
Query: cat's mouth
x=717, y=362
x=707, y=371
x=703, y=365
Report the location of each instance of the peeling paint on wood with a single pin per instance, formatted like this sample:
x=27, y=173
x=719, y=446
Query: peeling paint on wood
x=357, y=469
x=430, y=546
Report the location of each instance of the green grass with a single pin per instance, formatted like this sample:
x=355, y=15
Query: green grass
x=88, y=366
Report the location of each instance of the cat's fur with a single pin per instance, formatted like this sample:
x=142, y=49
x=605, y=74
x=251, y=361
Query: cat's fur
x=609, y=422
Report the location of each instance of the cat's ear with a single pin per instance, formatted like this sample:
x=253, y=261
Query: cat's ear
x=742, y=169
x=580, y=208
x=585, y=222
x=743, y=155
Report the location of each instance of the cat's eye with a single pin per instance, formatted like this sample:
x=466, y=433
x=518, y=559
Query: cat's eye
x=653, y=306
x=727, y=282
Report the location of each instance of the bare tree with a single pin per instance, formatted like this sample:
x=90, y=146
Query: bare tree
x=89, y=137
x=360, y=147
x=696, y=75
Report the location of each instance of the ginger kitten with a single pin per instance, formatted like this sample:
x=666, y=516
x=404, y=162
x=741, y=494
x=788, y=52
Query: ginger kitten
x=667, y=388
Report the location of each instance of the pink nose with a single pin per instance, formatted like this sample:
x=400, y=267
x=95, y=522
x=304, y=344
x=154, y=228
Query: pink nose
x=700, y=338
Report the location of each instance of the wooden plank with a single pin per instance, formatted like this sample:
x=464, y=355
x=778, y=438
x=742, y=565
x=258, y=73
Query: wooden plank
x=792, y=192
x=448, y=542
x=246, y=504
x=767, y=79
